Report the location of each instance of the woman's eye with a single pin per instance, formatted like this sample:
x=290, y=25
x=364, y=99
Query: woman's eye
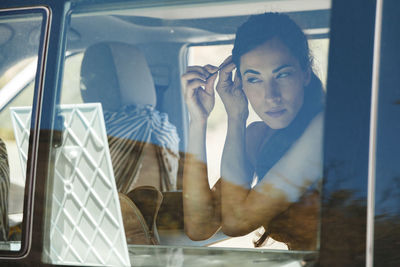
x=253, y=80
x=283, y=75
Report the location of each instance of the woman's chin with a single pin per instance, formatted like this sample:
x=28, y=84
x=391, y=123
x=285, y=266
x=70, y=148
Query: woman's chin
x=277, y=124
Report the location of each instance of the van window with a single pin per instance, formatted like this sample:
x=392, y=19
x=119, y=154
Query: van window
x=137, y=62
x=21, y=40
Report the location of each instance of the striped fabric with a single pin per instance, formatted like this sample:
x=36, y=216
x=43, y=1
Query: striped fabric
x=129, y=130
x=4, y=188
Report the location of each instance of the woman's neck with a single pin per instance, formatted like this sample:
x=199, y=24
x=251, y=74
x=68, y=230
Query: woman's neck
x=267, y=134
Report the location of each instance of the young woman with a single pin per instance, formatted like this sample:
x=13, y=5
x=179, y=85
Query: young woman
x=281, y=154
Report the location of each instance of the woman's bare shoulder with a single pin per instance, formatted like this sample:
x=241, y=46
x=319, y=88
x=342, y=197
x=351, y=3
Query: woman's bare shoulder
x=255, y=127
x=256, y=131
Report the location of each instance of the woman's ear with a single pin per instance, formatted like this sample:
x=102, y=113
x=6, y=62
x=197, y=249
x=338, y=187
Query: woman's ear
x=307, y=76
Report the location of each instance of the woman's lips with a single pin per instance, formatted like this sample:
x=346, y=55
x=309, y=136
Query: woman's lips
x=276, y=113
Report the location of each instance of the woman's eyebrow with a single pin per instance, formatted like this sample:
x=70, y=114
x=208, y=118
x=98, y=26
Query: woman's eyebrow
x=251, y=71
x=281, y=67
x=274, y=71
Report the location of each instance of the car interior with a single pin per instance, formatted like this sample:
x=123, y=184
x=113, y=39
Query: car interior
x=135, y=56
x=60, y=57
x=165, y=40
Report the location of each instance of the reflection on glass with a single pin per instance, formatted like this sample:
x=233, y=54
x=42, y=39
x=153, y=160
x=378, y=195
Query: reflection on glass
x=4, y=188
x=138, y=132
x=134, y=68
x=271, y=169
x=387, y=180
x=18, y=69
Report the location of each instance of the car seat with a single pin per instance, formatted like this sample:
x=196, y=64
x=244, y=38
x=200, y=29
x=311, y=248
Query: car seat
x=143, y=144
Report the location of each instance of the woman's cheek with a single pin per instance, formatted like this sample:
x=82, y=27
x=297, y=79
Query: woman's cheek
x=292, y=90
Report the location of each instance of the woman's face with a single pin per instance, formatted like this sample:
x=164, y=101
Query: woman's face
x=273, y=82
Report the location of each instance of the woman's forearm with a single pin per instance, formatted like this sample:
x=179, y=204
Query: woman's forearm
x=236, y=181
x=200, y=203
x=234, y=162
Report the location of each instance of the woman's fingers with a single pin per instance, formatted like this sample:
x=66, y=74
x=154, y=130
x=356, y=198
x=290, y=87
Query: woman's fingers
x=193, y=85
x=225, y=75
x=213, y=73
x=197, y=72
x=237, y=82
x=227, y=66
x=191, y=75
x=200, y=72
x=199, y=77
x=226, y=62
x=197, y=69
x=193, y=78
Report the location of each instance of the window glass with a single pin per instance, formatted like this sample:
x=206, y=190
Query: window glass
x=21, y=35
x=145, y=67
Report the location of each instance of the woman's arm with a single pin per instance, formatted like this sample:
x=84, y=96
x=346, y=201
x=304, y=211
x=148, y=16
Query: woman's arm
x=236, y=178
x=200, y=204
x=243, y=208
x=283, y=185
x=236, y=170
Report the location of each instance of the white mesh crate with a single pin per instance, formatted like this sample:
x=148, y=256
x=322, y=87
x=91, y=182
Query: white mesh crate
x=85, y=223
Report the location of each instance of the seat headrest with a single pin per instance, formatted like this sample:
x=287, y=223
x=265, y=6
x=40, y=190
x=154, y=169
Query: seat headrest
x=116, y=74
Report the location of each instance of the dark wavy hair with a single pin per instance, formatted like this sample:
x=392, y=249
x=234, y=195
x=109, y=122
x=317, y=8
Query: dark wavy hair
x=263, y=27
x=257, y=30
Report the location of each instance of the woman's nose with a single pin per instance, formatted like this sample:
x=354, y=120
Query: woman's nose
x=271, y=92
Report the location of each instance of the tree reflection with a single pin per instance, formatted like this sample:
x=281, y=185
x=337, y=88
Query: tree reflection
x=343, y=230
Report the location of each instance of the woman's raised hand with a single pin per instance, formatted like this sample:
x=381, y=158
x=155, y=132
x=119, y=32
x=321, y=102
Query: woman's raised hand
x=198, y=85
x=231, y=92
